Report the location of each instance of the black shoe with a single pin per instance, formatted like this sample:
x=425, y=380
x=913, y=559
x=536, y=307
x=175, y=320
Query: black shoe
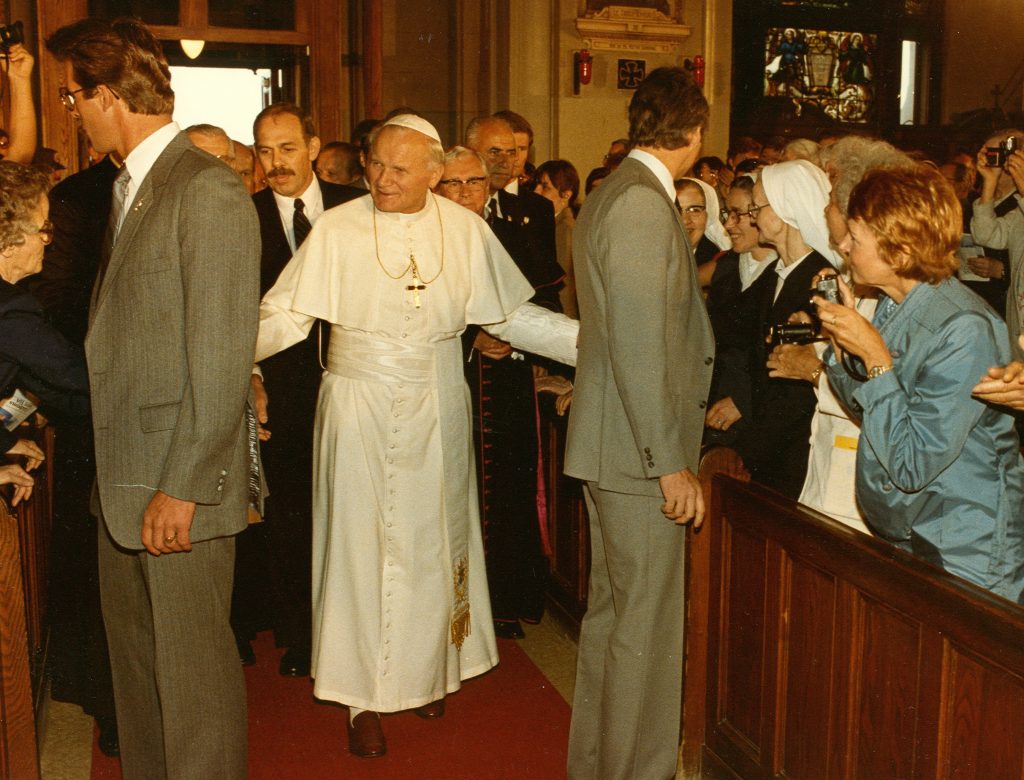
x=295, y=663
x=245, y=651
x=508, y=629
x=109, y=745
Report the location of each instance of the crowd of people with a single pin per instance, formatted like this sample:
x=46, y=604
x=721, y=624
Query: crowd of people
x=348, y=339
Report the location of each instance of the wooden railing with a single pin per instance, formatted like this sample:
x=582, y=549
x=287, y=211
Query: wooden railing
x=818, y=652
x=24, y=568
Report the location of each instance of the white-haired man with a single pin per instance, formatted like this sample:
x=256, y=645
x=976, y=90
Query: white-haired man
x=400, y=605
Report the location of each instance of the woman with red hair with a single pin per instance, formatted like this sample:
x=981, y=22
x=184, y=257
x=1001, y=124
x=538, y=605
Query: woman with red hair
x=939, y=473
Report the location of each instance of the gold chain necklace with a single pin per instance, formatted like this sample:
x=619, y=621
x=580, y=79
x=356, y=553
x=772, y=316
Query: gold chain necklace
x=418, y=283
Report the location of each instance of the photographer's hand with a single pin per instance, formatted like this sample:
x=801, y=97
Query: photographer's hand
x=989, y=177
x=18, y=63
x=1015, y=168
x=851, y=332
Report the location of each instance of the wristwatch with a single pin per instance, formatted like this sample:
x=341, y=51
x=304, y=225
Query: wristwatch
x=877, y=371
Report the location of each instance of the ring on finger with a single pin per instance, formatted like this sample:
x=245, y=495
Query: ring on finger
x=170, y=539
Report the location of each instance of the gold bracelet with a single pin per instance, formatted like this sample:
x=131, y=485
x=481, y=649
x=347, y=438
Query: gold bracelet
x=876, y=371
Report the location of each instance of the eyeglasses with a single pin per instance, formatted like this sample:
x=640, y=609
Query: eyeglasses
x=750, y=213
x=494, y=153
x=67, y=96
x=45, y=232
x=474, y=183
x=693, y=211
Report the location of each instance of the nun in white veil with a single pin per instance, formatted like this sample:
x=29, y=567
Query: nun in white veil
x=788, y=208
x=698, y=203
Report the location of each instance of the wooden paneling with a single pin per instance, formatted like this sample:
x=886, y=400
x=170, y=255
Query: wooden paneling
x=831, y=655
x=743, y=640
x=887, y=700
x=18, y=755
x=567, y=521
x=806, y=666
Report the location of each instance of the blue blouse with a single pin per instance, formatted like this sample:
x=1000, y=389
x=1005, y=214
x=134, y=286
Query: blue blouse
x=939, y=473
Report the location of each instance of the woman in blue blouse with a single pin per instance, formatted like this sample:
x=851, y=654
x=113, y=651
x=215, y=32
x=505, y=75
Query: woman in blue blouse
x=939, y=473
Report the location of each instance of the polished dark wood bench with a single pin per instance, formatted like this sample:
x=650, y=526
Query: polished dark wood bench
x=815, y=651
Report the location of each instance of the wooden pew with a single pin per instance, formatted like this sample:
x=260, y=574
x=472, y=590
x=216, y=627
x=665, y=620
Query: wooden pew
x=18, y=755
x=818, y=652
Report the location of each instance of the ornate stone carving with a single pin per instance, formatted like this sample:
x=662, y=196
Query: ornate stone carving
x=632, y=29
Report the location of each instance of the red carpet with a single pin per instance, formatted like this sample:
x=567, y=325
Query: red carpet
x=509, y=724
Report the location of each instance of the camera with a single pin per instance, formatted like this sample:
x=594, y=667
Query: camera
x=794, y=333
x=826, y=287
x=995, y=156
x=11, y=34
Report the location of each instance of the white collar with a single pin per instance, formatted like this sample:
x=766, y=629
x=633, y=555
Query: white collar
x=141, y=159
x=309, y=196
x=657, y=167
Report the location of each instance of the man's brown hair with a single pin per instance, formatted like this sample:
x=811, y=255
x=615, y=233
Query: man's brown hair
x=123, y=55
x=666, y=110
x=287, y=109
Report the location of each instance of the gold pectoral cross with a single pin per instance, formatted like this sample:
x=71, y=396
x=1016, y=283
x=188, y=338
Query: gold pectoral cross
x=417, y=283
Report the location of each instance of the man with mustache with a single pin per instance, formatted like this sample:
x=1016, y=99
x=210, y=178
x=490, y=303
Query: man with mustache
x=286, y=144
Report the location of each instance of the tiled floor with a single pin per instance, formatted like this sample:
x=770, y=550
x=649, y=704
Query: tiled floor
x=68, y=732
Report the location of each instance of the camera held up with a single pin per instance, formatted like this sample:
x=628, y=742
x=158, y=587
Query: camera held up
x=11, y=34
x=996, y=156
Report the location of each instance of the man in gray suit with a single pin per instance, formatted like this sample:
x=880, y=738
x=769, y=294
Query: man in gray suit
x=172, y=331
x=642, y=379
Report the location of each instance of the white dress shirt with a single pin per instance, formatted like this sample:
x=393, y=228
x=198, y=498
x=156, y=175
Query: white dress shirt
x=313, y=207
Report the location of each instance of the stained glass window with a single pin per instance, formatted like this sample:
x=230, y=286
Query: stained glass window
x=828, y=69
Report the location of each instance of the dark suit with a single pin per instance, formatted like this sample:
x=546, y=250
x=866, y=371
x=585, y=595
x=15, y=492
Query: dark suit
x=642, y=377
x=734, y=316
x=535, y=215
x=776, y=443
x=37, y=358
x=170, y=346
x=292, y=379
x=505, y=441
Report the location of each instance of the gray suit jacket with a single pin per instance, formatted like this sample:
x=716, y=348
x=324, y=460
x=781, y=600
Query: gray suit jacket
x=645, y=346
x=172, y=334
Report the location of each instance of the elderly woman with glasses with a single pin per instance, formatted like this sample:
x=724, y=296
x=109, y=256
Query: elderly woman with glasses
x=788, y=205
x=939, y=472
x=34, y=357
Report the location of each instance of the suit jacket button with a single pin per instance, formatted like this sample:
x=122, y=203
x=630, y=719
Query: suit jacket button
x=650, y=464
x=702, y=404
x=708, y=361
x=647, y=450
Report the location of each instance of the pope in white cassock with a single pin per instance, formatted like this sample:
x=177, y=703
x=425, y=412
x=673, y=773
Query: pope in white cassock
x=401, y=612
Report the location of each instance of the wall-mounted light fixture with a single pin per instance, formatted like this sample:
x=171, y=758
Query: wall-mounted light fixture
x=192, y=48
x=583, y=69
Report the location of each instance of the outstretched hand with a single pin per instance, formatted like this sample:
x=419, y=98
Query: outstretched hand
x=1003, y=385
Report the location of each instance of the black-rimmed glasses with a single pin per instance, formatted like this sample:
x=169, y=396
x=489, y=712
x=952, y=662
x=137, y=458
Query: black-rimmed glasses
x=725, y=214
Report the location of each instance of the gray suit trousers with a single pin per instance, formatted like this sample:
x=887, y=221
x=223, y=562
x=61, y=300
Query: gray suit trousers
x=178, y=686
x=629, y=672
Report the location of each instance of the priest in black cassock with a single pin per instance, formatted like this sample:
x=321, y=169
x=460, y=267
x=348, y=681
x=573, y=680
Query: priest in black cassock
x=505, y=418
